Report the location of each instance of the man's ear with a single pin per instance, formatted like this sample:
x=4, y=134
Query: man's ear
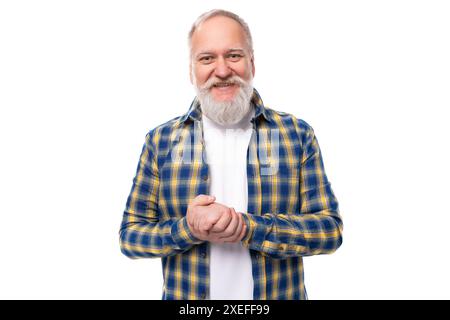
x=253, y=65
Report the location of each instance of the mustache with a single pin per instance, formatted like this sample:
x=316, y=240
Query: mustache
x=230, y=81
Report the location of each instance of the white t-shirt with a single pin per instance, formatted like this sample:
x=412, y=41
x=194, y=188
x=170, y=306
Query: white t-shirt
x=226, y=152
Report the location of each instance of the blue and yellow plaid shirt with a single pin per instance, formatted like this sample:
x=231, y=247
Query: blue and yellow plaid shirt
x=292, y=210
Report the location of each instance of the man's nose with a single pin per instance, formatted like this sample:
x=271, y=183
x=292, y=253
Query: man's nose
x=222, y=69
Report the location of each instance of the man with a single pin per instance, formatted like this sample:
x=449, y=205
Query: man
x=232, y=194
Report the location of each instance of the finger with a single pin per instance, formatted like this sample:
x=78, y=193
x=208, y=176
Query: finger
x=238, y=229
x=223, y=222
x=238, y=232
x=239, y=238
x=206, y=224
x=198, y=233
x=243, y=233
x=202, y=200
x=204, y=218
x=203, y=227
x=231, y=228
x=210, y=216
x=203, y=233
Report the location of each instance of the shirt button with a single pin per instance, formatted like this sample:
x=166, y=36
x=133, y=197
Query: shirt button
x=205, y=177
x=203, y=296
x=203, y=255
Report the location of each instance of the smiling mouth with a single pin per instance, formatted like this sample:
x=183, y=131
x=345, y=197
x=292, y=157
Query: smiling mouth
x=223, y=85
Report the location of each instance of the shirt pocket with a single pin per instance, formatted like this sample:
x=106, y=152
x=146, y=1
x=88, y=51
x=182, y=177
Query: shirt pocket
x=280, y=188
x=179, y=184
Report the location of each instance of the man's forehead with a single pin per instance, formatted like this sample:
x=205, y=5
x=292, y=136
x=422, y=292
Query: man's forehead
x=218, y=33
x=218, y=27
x=218, y=22
x=226, y=50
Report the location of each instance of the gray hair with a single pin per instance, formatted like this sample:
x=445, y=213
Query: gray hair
x=223, y=13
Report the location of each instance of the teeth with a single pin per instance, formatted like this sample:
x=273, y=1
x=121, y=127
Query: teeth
x=222, y=85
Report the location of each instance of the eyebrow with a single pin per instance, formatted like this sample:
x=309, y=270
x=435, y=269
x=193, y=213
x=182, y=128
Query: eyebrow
x=228, y=51
x=236, y=49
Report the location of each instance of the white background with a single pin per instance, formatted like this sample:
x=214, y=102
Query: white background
x=82, y=82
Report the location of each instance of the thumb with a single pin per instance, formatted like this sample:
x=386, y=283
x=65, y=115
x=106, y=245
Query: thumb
x=203, y=200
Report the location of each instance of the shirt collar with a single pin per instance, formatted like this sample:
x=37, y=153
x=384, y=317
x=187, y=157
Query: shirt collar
x=195, y=112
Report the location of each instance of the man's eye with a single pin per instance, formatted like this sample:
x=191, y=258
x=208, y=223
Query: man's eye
x=235, y=57
x=206, y=59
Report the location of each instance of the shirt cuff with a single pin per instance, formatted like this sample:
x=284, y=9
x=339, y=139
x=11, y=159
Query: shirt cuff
x=256, y=231
x=182, y=235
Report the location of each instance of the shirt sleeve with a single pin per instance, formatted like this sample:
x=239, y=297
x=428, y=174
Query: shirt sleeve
x=142, y=233
x=316, y=229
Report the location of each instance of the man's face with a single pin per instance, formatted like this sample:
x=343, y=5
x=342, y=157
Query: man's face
x=219, y=51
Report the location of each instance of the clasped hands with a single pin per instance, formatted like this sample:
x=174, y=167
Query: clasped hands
x=214, y=222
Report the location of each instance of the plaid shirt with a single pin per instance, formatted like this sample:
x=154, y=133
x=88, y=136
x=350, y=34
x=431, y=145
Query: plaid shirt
x=292, y=211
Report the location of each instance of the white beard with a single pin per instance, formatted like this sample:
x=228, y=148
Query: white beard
x=226, y=112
